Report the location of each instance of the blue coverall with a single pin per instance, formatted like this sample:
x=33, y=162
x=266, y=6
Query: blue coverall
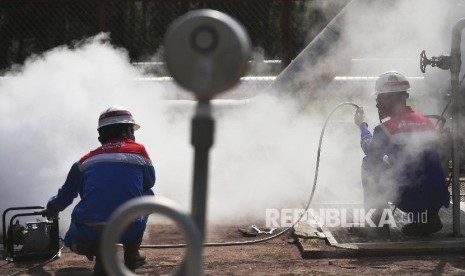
x=105, y=178
x=402, y=165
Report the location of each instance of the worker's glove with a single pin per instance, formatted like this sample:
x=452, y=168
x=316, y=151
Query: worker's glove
x=359, y=117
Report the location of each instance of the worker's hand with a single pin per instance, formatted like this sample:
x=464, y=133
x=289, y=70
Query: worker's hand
x=359, y=117
x=49, y=214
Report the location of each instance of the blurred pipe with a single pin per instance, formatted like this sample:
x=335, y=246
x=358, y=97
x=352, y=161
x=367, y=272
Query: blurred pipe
x=124, y=215
x=315, y=52
x=457, y=104
x=313, y=60
x=202, y=136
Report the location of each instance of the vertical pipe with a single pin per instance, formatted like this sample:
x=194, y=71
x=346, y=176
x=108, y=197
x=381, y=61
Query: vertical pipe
x=202, y=140
x=286, y=33
x=455, y=165
x=456, y=63
x=101, y=15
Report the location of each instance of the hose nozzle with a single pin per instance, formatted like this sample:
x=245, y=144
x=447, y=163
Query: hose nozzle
x=359, y=117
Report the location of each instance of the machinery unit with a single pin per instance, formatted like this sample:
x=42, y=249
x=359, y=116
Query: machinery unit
x=32, y=240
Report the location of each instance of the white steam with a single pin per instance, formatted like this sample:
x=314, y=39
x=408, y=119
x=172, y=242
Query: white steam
x=264, y=155
x=49, y=113
x=49, y=110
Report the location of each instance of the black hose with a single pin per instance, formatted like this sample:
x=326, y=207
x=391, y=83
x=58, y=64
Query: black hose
x=161, y=246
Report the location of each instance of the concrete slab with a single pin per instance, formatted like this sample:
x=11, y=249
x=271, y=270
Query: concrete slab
x=317, y=239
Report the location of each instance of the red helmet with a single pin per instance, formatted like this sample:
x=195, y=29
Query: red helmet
x=116, y=115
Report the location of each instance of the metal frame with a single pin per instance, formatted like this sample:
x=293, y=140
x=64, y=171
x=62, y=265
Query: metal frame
x=8, y=243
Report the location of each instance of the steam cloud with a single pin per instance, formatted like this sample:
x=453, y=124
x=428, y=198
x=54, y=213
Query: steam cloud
x=264, y=154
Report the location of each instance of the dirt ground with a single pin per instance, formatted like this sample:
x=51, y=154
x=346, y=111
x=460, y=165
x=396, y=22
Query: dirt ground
x=275, y=257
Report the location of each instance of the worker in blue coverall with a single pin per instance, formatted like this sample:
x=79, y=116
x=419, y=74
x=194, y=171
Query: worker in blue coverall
x=402, y=163
x=105, y=178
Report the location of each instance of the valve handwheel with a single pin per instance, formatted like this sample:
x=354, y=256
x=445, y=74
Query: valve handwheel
x=424, y=61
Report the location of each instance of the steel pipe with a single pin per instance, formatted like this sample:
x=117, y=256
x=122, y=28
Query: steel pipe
x=202, y=138
x=125, y=214
x=457, y=104
x=313, y=60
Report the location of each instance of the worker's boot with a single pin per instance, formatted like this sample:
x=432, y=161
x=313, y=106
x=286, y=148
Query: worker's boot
x=432, y=225
x=99, y=270
x=132, y=257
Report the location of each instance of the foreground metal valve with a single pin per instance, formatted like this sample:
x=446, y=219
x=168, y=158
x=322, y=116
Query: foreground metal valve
x=125, y=214
x=206, y=52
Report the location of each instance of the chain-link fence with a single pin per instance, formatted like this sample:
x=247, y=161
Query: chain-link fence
x=279, y=29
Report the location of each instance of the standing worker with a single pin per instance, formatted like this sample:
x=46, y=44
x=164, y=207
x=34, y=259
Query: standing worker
x=105, y=178
x=402, y=163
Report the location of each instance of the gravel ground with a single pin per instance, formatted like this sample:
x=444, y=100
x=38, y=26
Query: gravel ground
x=274, y=257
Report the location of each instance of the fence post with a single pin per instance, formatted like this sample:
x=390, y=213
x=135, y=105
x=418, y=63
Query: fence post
x=101, y=15
x=286, y=33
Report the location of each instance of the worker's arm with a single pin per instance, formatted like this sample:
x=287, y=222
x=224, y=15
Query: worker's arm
x=149, y=176
x=366, y=137
x=149, y=179
x=67, y=193
x=374, y=145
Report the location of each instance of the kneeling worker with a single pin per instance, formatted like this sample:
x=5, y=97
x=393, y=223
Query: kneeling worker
x=105, y=178
x=402, y=163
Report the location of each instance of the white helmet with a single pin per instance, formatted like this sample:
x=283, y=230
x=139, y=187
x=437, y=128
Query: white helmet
x=116, y=115
x=391, y=81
